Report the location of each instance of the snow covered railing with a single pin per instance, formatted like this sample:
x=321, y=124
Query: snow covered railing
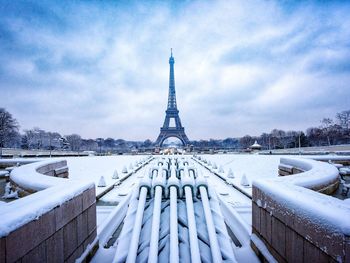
x=38, y=176
x=311, y=174
x=296, y=223
x=57, y=222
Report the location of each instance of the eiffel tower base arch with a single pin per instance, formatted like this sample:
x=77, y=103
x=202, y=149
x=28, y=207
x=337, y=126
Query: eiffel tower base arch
x=168, y=133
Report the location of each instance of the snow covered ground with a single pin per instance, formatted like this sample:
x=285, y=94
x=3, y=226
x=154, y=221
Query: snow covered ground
x=253, y=166
x=91, y=168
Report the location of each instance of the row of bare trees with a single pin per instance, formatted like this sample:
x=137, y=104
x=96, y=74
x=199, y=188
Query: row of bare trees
x=35, y=138
x=329, y=132
x=39, y=139
x=276, y=139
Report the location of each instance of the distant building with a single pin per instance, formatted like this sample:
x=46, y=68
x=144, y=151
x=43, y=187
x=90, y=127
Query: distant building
x=255, y=146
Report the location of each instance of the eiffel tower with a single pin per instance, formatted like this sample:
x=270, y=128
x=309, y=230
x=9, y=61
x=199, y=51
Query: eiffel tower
x=172, y=113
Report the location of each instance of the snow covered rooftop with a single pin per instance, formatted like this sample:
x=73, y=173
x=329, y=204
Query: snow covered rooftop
x=255, y=146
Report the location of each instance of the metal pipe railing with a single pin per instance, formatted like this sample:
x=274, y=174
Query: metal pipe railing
x=174, y=239
x=192, y=229
x=153, y=247
x=174, y=186
x=134, y=243
x=214, y=244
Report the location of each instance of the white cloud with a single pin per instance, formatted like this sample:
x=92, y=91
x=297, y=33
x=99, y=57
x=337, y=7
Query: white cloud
x=241, y=67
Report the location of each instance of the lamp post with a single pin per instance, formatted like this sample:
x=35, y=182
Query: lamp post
x=99, y=143
x=50, y=144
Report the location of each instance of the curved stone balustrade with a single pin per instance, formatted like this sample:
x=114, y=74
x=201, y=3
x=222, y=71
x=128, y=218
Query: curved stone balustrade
x=318, y=176
x=56, y=223
x=38, y=176
x=296, y=222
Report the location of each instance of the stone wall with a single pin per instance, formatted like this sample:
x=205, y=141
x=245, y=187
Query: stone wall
x=327, y=188
x=285, y=169
x=289, y=237
x=298, y=224
x=61, y=234
x=56, y=169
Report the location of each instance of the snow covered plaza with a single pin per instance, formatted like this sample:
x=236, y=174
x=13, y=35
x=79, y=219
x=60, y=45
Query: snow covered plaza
x=103, y=159
x=176, y=208
x=175, y=205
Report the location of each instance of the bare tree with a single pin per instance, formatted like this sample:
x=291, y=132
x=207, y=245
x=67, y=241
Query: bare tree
x=89, y=145
x=284, y=138
x=265, y=140
x=29, y=138
x=315, y=136
x=275, y=136
x=344, y=119
x=344, y=122
x=74, y=141
x=246, y=141
x=35, y=138
x=8, y=128
x=326, y=126
x=109, y=143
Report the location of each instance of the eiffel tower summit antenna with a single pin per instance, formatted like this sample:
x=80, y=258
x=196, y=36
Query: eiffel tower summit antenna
x=172, y=113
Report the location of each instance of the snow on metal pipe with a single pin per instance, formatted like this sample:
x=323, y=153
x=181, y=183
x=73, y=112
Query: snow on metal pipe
x=174, y=187
x=174, y=239
x=153, y=248
x=214, y=244
x=134, y=243
x=192, y=229
x=159, y=183
x=187, y=180
x=123, y=240
x=188, y=184
x=221, y=230
x=202, y=186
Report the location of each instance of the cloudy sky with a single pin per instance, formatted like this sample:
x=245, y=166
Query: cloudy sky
x=100, y=68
